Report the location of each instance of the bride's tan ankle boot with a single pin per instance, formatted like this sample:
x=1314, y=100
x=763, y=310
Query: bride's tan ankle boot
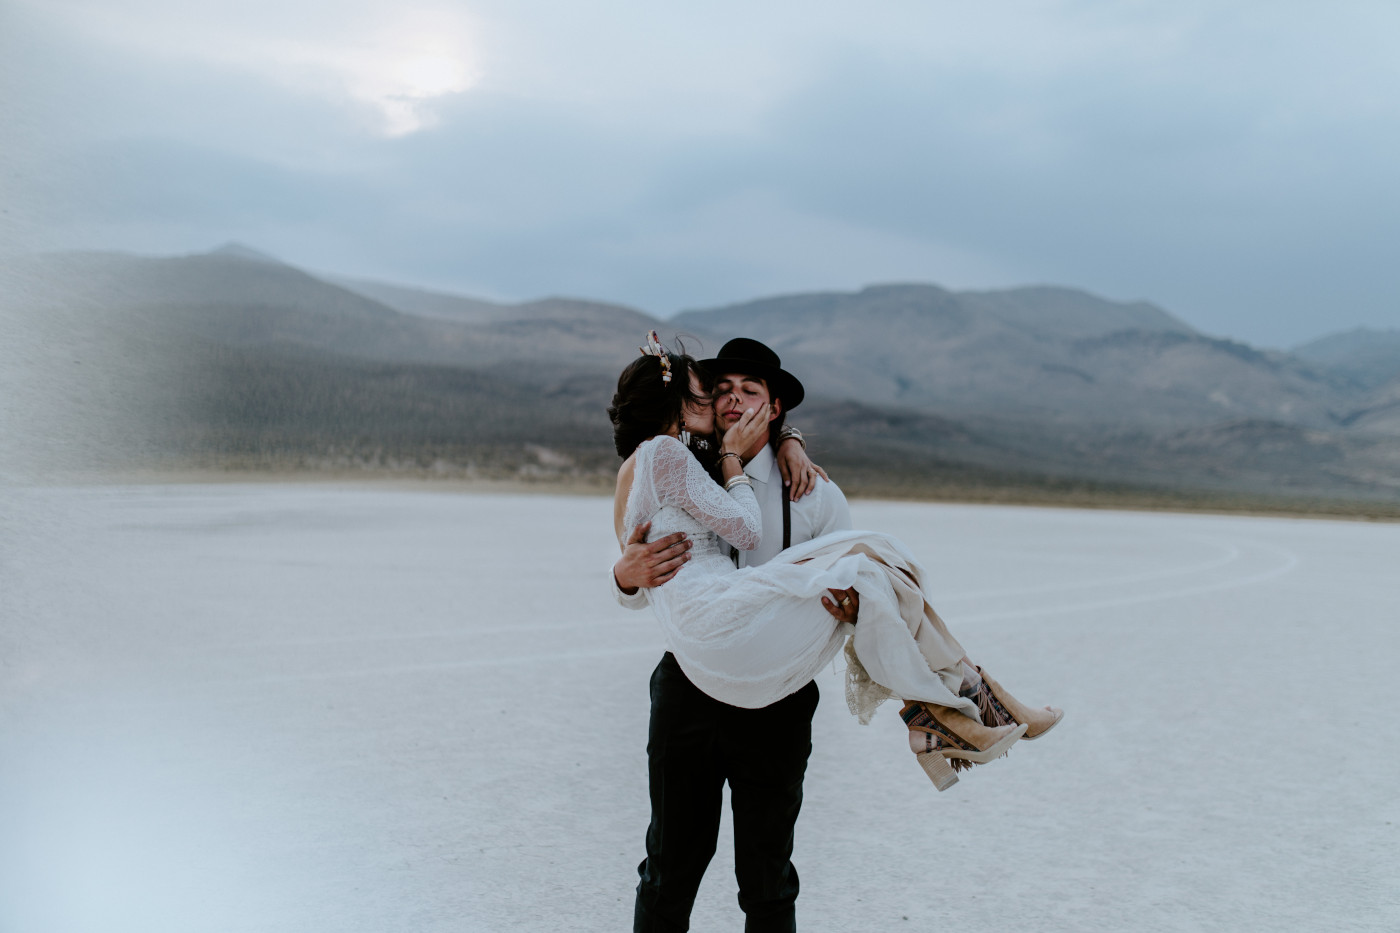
x=998, y=706
x=951, y=741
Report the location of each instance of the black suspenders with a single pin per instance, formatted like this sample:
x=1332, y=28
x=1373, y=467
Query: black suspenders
x=787, y=520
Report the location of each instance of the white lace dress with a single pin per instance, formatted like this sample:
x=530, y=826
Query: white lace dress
x=750, y=637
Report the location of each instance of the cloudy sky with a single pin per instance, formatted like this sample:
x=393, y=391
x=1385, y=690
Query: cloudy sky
x=1234, y=163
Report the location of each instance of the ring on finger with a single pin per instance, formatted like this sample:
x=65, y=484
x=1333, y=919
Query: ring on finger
x=845, y=602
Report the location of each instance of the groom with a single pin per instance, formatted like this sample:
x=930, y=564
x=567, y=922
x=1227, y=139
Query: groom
x=695, y=743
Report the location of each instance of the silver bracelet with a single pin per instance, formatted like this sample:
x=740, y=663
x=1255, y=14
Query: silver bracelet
x=789, y=431
x=741, y=480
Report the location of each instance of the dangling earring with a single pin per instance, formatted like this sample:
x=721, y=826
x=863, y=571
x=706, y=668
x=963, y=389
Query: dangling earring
x=685, y=437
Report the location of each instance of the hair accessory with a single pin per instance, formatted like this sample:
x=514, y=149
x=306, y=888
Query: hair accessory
x=654, y=348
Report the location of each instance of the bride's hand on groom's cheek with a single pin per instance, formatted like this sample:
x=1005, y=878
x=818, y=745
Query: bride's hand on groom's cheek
x=747, y=430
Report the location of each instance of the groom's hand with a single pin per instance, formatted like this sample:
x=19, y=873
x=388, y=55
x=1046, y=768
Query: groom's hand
x=798, y=471
x=844, y=605
x=646, y=564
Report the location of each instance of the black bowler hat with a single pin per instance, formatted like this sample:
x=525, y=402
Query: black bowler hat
x=742, y=355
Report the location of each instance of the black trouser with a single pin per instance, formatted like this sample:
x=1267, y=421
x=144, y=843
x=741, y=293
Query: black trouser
x=695, y=744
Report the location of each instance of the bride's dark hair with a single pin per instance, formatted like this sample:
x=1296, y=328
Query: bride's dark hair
x=646, y=405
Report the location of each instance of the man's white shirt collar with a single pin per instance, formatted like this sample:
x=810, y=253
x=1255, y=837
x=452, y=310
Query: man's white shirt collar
x=760, y=468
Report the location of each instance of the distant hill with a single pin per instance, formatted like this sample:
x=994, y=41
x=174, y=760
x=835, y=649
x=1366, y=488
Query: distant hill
x=231, y=299
x=1380, y=411
x=1042, y=310
x=1051, y=353
x=1369, y=357
x=235, y=358
x=423, y=302
x=239, y=251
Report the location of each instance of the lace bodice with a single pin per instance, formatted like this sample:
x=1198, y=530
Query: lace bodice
x=672, y=489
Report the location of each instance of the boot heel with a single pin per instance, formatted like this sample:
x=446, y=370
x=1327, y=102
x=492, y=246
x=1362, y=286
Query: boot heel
x=939, y=771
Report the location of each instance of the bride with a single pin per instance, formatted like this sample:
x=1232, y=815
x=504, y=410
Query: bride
x=748, y=637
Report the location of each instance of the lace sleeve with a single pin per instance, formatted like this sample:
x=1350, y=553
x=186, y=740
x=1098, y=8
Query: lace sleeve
x=680, y=480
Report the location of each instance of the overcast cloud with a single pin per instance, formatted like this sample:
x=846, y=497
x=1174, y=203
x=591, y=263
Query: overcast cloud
x=1232, y=163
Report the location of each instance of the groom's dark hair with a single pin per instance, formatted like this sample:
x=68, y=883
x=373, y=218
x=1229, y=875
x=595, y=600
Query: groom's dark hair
x=775, y=427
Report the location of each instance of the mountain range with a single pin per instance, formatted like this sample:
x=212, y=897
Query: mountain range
x=233, y=358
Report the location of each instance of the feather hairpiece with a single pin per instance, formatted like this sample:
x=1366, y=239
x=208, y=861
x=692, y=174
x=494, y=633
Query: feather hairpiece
x=654, y=348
